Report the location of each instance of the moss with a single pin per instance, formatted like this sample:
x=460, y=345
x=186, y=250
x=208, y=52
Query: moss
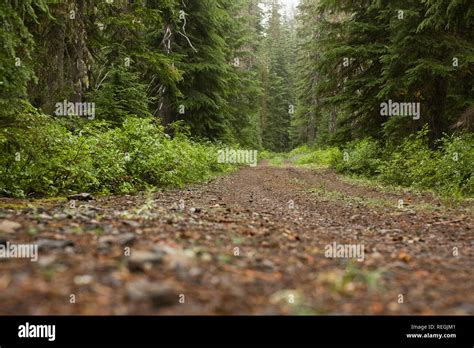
x=16, y=204
x=13, y=206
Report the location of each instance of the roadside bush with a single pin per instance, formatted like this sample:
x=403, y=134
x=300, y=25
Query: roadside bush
x=319, y=157
x=273, y=158
x=412, y=163
x=446, y=170
x=455, y=167
x=302, y=150
x=42, y=158
x=48, y=159
x=361, y=157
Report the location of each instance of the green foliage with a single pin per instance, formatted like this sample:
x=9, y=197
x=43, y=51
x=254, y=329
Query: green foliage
x=15, y=55
x=412, y=163
x=455, y=167
x=238, y=72
x=353, y=55
x=121, y=94
x=143, y=65
x=266, y=155
x=272, y=158
x=300, y=150
x=173, y=59
x=359, y=157
x=98, y=158
x=447, y=170
x=318, y=156
x=205, y=83
x=277, y=81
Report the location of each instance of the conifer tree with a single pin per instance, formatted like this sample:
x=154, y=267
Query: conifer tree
x=16, y=63
x=367, y=53
x=277, y=102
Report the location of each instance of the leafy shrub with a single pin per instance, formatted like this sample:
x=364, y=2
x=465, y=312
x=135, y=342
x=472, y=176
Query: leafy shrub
x=455, y=166
x=447, y=170
x=412, y=163
x=320, y=157
x=49, y=159
x=273, y=158
x=361, y=157
x=266, y=155
x=304, y=149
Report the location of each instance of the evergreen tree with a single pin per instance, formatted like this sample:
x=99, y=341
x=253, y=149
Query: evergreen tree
x=203, y=105
x=244, y=36
x=16, y=64
x=121, y=94
x=367, y=53
x=277, y=101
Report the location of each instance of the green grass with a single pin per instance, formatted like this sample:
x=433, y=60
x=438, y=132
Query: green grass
x=342, y=281
x=331, y=195
x=315, y=158
x=274, y=159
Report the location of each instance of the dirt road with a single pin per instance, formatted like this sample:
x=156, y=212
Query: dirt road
x=256, y=242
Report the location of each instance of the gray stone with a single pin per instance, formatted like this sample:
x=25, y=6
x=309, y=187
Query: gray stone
x=47, y=244
x=142, y=260
x=81, y=197
x=160, y=295
x=126, y=238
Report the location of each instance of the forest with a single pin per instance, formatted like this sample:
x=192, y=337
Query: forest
x=79, y=76
x=141, y=122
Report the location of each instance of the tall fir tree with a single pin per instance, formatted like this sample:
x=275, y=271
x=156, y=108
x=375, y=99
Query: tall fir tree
x=277, y=101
